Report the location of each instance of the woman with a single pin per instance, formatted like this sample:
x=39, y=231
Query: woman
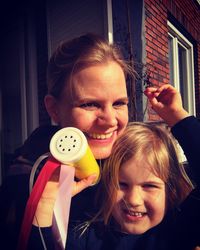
x=86, y=79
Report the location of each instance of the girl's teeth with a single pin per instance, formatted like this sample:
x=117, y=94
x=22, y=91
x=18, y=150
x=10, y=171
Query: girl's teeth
x=137, y=214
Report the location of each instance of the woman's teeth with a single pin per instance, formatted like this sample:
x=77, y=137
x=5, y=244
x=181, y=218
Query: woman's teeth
x=100, y=136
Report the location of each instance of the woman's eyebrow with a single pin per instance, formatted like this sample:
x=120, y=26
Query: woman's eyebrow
x=125, y=99
x=90, y=99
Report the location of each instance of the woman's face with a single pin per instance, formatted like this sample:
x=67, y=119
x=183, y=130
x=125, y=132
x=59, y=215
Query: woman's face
x=140, y=203
x=97, y=106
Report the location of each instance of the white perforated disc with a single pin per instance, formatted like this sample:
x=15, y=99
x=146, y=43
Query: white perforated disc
x=68, y=145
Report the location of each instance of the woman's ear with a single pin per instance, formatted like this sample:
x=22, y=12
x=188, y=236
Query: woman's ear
x=52, y=107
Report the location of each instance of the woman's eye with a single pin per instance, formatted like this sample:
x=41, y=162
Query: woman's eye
x=89, y=105
x=120, y=103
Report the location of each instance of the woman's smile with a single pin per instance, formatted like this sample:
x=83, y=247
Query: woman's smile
x=100, y=136
x=98, y=106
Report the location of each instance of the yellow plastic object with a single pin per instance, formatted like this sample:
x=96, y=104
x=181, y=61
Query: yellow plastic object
x=69, y=146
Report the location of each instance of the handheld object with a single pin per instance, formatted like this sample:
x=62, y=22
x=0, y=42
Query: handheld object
x=69, y=146
x=70, y=151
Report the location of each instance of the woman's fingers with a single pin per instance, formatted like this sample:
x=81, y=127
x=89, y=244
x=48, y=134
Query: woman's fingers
x=82, y=184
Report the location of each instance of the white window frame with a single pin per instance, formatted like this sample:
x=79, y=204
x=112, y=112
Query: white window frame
x=28, y=81
x=110, y=21
x=179, y=40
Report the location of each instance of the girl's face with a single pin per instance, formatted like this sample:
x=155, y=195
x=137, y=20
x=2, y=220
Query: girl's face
x=140, y=203
x=97, y=106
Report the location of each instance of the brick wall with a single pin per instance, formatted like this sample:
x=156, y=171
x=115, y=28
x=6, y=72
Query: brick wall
x=187, y=14
x=157, y=64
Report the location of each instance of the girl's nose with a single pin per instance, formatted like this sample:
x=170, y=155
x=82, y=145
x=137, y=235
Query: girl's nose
x=134, y=197
x=108, y=117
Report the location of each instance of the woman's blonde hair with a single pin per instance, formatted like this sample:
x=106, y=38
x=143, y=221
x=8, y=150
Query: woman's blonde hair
x=79, y=53
x=157, y=148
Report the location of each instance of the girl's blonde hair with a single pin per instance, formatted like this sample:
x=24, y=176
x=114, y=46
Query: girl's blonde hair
x=155, y=146
x=79, y=53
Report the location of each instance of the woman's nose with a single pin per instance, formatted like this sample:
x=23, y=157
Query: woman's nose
x=108, y=117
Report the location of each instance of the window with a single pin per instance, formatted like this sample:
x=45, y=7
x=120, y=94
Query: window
x=68, y=19
x=182, y=67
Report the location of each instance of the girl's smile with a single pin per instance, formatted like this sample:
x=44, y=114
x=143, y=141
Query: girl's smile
x=133, y=215
x=140, y=203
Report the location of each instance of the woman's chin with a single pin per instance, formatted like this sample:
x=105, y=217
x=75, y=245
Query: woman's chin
x=101, y=153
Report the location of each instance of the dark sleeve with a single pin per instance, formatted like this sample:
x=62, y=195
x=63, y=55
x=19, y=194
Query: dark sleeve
x=189, y=221
x=74, y=238
x=13, y=195
x=35, y=240
x=75, y=241
x=187, y=132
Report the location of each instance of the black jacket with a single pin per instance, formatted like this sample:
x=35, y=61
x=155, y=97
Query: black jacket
x=14, y=195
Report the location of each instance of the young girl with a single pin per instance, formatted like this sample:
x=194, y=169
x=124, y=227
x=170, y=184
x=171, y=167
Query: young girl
x=148, y=201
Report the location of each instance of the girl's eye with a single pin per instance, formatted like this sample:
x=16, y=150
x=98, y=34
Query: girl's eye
x=123, y=185
x=150, y=186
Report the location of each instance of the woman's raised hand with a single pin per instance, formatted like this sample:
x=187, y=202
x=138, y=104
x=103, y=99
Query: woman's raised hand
x=44, y=212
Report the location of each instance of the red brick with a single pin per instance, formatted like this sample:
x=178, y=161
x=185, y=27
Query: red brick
x=188, y=14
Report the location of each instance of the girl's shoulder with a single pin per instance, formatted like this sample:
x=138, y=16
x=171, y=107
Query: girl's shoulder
x=182, y=224
x=82, y=236
x=99, y=237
